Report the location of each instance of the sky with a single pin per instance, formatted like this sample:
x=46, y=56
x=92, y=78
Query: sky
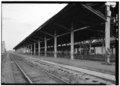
x=20, y=20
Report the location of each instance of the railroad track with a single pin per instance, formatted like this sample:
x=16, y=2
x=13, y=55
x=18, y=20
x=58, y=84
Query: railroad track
x=66, y=75
x=31, y=75
x=71, y=76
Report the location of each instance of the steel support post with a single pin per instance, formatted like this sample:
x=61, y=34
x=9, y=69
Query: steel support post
x=45, y=46
x=72, y=43
x=38, y=47
x=25, y=50
x=31, y=50
x=90, y=47
x=103, y=47
x=34, y=49
x=28, y=49
x=55, y=46
x=107, y=34
x=80, y=48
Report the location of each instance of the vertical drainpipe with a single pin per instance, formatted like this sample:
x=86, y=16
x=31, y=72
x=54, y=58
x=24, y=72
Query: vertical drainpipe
x=55, y=45
x=39, y=48
x=45, y=46
x=72, y=43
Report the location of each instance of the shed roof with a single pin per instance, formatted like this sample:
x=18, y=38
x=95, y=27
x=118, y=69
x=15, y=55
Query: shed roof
x=87, y=18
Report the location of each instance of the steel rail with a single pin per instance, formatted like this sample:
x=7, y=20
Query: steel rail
x=89, y=72
x=54, y=75
x=44, y=70
x=25, y=75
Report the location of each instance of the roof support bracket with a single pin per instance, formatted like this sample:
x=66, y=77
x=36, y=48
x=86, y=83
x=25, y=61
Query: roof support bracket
x=95, y=11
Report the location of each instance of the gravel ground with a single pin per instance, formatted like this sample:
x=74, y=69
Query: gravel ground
x=86, y=64
x=6, y=71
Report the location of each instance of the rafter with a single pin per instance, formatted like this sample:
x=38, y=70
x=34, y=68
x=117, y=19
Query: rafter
x=37, y=38
x=62, y=26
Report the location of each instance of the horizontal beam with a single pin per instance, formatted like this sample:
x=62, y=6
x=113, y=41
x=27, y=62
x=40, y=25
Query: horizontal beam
x=38, y=37
x=47, y=33
x=96, y=30
x=63, y=34
x=73, y=31
x=33, y=40
x=81, y=28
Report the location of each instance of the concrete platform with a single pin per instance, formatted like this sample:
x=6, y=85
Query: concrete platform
x=85, y=64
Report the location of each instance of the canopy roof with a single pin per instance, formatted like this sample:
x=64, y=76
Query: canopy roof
x=87, y=20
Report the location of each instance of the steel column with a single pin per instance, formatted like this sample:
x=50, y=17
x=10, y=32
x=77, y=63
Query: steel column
x=28, y=49
x=107, y=34
x=25, y=49
x=90, y=47
x=34, y=49
x=31, y=50
x=45, y=46
x=72, y=43
x=80, y=48
x=55, y=46
x=38, y=47
x=103, y=47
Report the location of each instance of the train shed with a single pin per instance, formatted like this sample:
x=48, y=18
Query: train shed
x=78, y=29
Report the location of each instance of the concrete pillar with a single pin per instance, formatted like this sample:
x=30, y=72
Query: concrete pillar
x=55, y=46
x=72, y=43
x=45, y=46
x=38, y=47
x=34, y=49
x=107, y=34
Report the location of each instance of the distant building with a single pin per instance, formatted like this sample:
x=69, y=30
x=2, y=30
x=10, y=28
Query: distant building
x=3, y=47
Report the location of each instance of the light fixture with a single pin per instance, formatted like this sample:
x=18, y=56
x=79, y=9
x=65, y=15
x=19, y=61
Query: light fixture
x=113, y=4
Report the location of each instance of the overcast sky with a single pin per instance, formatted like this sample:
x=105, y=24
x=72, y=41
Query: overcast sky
x=19, y=20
